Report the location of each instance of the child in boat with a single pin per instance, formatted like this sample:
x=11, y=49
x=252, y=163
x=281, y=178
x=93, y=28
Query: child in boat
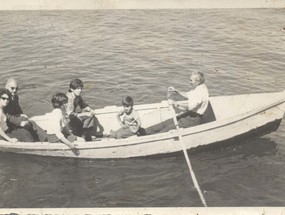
x=82, y=118
x=129, y=121
x=56, y=128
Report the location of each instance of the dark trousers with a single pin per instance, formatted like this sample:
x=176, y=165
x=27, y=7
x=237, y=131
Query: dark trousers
x=126, y=132
x=85, y=127
x=188, y=119
x=21, y=134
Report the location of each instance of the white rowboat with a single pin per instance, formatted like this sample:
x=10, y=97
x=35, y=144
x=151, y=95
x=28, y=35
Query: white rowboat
x=228, y=119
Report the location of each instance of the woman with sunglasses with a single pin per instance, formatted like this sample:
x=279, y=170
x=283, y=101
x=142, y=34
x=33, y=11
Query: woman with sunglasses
x=6, y=133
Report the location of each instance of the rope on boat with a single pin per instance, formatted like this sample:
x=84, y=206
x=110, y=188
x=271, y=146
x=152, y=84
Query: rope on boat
x=195, y=182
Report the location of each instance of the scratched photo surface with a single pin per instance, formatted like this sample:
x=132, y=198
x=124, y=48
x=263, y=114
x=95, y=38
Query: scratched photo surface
x=140, y=53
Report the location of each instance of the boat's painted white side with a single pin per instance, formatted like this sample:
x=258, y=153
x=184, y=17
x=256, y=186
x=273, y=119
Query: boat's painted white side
x=236, y=115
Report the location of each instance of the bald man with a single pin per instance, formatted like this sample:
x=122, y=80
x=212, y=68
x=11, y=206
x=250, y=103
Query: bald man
x=13, y=110
x=16, y=118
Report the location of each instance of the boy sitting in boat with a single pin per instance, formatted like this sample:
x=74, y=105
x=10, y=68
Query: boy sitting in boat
x=192, y=109
x=83, y=122
x=129, y=121
x=56, y=126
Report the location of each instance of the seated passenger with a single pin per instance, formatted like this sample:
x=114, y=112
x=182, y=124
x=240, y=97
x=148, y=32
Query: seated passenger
x=56, y=127
x=129, y=121
x=15, y=117
x=193, y=108
x=12, y=135
x=82, y=118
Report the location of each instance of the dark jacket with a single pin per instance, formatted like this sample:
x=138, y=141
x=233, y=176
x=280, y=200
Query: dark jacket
x=75, y=105
x=13, y=112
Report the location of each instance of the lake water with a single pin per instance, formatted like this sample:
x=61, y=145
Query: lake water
x=140, y=53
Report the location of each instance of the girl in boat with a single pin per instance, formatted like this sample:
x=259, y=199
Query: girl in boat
x=83, y=122
x=129, y=121
x=56, y=127
x=12, y=135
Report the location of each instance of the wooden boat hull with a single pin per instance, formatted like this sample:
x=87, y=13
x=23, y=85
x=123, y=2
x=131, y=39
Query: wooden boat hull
x=261, y=118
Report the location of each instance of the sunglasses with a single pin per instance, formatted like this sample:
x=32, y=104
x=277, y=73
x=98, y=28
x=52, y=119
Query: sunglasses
x=4, y=98
x=14, y=88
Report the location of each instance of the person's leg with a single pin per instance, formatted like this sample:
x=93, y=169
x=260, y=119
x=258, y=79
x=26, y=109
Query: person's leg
x=160, y=127
x=168, y=127
x=68, y=135
x=76, y=125
x=189, y=121
x=89, y=126
x=37, y=132
x=122, y=133
x=99, y=129
x=22, y=135
x=52, y=138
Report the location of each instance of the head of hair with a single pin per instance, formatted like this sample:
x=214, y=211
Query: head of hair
x=75, y=84
x=5, y=91
x=199, y=76
x=127, y=101
x=10, y=81
x=58, y=100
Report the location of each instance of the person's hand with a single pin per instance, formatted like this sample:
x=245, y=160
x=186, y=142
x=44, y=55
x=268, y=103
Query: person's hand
x=24, y=115
x=13, y=140
x=75, y=151
x=175, y=104
x=89, y=114
x=134, y=123
x=25, y=124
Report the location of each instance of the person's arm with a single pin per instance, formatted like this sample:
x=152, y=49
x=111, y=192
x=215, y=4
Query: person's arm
x=183, y=105
x=15, y=120
x=184, y=94
x=195, y=98
x=6, y=137
x=119, y=114
x=181, y=93
x=87, y=110
x=70, y=106
x=70, y=145
x=137, y=120
x=67, y=132
x=57, y=130
x=83, y=105
x=17, y=104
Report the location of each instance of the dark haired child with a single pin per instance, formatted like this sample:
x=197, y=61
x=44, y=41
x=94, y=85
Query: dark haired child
x=82, y=118
x=56, y=127
x=129, y=121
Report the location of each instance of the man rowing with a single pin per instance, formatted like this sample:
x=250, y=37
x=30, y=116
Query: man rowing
x=192, y=109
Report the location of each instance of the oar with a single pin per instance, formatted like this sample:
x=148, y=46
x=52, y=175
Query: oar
x=186, y=155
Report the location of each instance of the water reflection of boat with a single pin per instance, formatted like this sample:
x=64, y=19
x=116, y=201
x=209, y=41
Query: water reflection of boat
x=227, y=119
